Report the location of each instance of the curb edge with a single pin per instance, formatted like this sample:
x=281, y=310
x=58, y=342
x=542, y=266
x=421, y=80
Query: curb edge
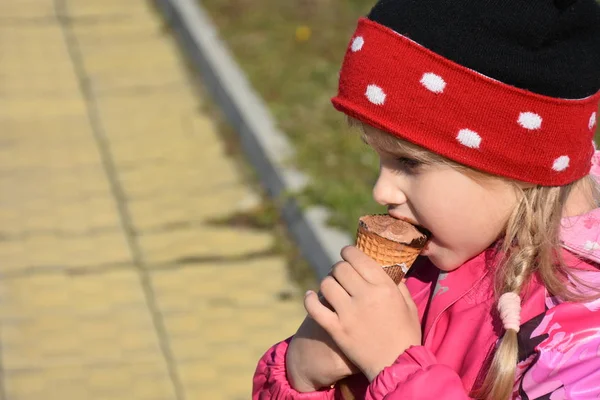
x=266, y=147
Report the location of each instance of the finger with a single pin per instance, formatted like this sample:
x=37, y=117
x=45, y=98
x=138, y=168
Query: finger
x=334, y=293
x=347, y=277
x=322, y=315
x=410, y=303
x=366, y=267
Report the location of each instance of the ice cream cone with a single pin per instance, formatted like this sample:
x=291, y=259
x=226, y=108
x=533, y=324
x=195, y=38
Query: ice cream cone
x=393, y=243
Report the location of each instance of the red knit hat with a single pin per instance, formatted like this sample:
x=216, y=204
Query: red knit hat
x=395, y=84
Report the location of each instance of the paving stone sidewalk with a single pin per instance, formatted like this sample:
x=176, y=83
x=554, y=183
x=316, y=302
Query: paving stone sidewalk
x=113, y=283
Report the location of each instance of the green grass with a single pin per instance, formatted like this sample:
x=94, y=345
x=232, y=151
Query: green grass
x=297, y=78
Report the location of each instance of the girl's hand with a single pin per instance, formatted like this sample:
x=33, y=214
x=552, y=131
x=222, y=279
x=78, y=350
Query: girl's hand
x=313, y=360
x=373, y=321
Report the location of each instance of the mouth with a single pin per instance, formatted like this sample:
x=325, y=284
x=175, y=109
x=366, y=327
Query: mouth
x=425, y=250
x=420, y=228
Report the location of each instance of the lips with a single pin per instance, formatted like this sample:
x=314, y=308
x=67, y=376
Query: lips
x=411, y=221
x=426, y=247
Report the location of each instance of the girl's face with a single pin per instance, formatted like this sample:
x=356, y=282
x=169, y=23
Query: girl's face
x=465, y=216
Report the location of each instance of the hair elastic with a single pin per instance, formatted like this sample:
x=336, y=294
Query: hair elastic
x=509, y=307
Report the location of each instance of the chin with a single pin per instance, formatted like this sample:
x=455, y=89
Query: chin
x=445, y=264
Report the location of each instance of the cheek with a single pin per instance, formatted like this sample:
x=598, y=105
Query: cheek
x=453, y=245
x=446, y=209
x=463, y=218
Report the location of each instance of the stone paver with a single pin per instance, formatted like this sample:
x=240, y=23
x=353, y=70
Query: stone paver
x=15, y=12
x=225, y=298
x=115, y=280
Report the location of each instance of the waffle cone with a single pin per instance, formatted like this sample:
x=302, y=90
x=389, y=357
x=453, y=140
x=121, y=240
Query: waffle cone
x=395, y=258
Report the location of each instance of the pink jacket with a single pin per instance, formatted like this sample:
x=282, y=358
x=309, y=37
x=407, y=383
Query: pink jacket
x=559, y=343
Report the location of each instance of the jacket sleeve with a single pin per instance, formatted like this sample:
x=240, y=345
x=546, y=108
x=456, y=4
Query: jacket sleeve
x=270, y=379
x=417, y=375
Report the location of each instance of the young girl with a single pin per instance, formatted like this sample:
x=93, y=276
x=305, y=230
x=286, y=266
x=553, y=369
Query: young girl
x=483, y=115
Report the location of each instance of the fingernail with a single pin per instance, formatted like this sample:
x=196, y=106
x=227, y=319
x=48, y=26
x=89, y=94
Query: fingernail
x=307, y=293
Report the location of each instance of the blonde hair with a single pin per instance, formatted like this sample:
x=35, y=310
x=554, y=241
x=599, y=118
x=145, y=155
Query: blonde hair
x=531, y=245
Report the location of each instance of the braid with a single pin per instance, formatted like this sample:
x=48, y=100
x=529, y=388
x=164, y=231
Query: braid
x=529, y=244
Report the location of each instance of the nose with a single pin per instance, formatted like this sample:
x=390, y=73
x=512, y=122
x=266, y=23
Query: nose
x=388, y=189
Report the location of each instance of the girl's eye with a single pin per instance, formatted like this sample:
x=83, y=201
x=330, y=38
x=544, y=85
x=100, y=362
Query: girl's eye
x=407, y=165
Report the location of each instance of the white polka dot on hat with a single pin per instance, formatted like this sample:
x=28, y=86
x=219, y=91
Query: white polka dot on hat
x=375, y=95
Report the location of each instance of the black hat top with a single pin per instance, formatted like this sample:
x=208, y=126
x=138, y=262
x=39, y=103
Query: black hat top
x=550, y=47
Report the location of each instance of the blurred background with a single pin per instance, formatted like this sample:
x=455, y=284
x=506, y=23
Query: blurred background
x=139, y=256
